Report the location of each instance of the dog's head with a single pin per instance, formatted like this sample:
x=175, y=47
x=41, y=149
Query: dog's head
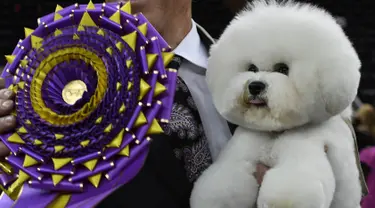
x=278, y=66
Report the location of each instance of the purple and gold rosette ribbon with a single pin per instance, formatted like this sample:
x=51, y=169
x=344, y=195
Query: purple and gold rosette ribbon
x=91, y=89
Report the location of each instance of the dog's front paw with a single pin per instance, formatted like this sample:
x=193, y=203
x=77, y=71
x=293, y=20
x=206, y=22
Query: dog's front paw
x=282, y=190
x=229, y=188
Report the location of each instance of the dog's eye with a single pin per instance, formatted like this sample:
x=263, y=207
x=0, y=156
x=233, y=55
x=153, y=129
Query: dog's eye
x=281, y=68
x=253, y=68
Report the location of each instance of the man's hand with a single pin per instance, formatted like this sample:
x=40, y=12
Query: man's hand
x=260, y=172
x=7, y=121
x=261, y=169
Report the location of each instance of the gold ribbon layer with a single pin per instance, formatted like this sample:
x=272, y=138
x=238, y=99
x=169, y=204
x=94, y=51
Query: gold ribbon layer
x=66, y=54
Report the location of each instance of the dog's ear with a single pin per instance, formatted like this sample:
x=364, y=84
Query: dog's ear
x=339, y=81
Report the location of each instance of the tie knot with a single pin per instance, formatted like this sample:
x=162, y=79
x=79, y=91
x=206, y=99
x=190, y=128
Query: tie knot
x=176, y=62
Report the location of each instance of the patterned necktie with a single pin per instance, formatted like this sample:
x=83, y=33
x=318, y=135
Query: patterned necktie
x=190, y=143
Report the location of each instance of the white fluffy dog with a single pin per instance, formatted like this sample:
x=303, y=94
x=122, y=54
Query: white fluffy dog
x=285, y=73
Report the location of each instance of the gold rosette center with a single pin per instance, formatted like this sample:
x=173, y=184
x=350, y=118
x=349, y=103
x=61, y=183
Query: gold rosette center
x=66, y=54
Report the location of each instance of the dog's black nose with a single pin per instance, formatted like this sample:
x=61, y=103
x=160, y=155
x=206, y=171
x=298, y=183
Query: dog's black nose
x=255, y=88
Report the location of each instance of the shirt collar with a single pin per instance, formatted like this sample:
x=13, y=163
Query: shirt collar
x=192, y=49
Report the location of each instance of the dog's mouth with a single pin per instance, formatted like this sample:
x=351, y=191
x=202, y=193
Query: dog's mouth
x=255, y=101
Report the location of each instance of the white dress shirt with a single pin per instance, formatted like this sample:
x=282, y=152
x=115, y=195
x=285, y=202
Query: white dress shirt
x=192, y=71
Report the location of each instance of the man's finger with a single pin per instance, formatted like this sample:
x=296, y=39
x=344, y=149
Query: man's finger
x=325, y=148
x=4, y=151
x=7, y=123
x=7, y=94
x=261, y=170
x=6, y=107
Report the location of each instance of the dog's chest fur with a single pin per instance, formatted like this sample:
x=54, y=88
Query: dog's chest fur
x=269, y=148
x=268, y=153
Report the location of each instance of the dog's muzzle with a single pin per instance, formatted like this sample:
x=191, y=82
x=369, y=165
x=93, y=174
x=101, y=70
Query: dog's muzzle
x=252, y=93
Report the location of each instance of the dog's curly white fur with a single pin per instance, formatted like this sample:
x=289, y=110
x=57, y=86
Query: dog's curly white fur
x=304, y=73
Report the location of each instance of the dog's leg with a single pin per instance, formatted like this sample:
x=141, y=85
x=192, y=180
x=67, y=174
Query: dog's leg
x=302, y=177
x=229, y=182
x=221, y=186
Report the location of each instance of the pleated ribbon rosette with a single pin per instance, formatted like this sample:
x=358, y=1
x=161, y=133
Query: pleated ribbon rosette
x=92, y=89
